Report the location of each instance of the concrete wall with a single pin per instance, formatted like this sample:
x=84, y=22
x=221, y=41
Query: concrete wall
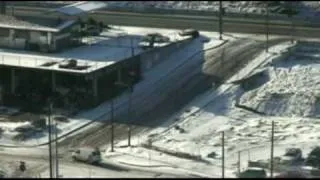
x=154, y=56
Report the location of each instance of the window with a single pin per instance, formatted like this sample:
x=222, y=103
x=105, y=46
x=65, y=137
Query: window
x=4, y=32
x=21, y=34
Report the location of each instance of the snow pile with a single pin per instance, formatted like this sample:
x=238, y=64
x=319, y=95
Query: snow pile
x=10, y=126
x=293, y=88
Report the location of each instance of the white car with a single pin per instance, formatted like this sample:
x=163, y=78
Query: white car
x=88, y=155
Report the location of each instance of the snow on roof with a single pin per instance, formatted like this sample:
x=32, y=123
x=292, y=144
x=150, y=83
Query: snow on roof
x=33, y=61
x=81, y=7
x=17, y=23
x=105, y=52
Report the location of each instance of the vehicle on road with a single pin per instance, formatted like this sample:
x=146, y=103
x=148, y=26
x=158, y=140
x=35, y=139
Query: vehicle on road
x=291, y=156
x=88, y=155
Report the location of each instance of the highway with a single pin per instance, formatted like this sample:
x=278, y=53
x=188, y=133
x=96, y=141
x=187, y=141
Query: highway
x=182, y=22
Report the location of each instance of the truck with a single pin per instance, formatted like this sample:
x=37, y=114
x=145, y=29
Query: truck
x=87, y=155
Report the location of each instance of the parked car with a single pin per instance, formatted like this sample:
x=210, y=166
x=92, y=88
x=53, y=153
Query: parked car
x=157, y=37
x=291, y=156
x=189, y=32
x=88, y=155
x=253, y=172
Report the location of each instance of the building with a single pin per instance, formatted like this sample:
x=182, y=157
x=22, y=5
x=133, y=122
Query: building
x=76, y=78
x=3, y=7
x=37, y=34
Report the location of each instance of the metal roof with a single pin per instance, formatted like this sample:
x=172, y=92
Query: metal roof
x=81, y=7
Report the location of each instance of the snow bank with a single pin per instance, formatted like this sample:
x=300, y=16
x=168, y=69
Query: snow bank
x=293, y=88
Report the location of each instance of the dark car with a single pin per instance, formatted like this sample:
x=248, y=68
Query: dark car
x=157, y=37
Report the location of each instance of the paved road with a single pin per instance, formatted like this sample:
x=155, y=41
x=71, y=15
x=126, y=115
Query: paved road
x=182, y=22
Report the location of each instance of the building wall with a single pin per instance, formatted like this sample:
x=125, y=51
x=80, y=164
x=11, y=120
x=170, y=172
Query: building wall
x=153, y=57
x=33, y=40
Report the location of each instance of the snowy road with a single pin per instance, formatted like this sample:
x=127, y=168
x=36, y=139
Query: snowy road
x=37, y=166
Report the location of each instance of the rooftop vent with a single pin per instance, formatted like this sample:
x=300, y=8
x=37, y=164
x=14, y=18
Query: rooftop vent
x=72, y=64
x=69, y=63
x=47, y=64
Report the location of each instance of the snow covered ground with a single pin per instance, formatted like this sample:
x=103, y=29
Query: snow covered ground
x=292, y=73
x=154, y=78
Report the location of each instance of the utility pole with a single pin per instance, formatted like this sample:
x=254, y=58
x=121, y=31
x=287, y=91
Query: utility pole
x=57, y=157
x=291, y=17
x=112, y=128
x=267, y=26
x=129, y=115
x=131, y=44
x=220, y=19
x=271, y=154
x=50, y=141
x=239, y=168
x=130, y=86
x=222, y=154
